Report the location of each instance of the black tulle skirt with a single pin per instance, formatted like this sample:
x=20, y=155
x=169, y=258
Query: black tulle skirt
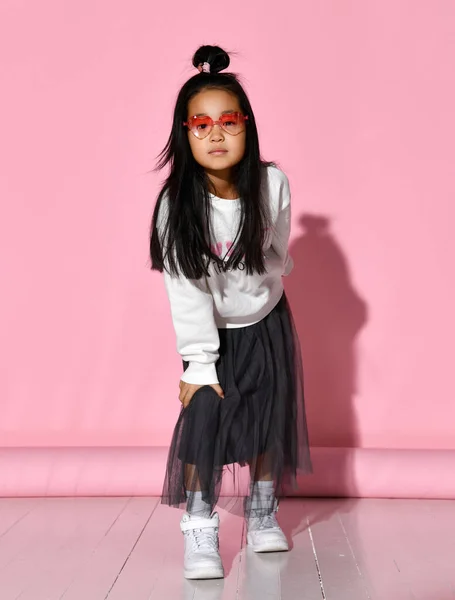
x=257, y=431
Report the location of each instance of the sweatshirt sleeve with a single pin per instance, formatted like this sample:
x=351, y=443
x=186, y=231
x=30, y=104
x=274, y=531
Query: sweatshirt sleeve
x=193, y=318
x=195, y=328
x=282, y=229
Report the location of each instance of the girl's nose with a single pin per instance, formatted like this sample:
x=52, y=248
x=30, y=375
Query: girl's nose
x=217, y=134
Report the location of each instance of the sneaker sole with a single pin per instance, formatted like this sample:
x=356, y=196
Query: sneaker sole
x=269, y=547
x=204, y=573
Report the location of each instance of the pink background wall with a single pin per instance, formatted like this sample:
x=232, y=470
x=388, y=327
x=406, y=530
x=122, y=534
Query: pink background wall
x=362, y=96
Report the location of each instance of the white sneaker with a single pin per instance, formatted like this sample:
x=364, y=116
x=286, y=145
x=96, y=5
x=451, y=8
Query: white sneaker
x=202, y=558
x=265, y=534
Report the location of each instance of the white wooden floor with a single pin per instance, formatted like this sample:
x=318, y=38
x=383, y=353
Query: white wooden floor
x=131, y=549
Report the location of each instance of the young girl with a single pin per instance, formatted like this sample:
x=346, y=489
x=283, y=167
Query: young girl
x=220, y=234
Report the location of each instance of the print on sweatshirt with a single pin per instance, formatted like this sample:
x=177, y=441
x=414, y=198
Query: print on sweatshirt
x=224, y=250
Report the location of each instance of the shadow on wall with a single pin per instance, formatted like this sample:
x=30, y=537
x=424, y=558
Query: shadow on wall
x=328, y=314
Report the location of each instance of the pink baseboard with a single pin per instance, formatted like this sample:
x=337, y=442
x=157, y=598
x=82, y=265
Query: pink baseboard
x=138, y=471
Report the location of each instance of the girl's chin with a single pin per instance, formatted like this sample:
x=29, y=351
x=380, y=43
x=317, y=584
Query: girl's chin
x=220, y=162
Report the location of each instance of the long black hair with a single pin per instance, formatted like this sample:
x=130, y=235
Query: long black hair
x=181, y=243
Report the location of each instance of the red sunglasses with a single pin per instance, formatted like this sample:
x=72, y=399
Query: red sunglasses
x=232, y=123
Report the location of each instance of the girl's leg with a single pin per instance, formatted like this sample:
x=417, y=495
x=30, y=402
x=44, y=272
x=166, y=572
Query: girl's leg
x=262, y=490
x=262, y=486
x=264, y=533
x=260, y=468
x=195, y=505
x=261, y=473
x=199, y=440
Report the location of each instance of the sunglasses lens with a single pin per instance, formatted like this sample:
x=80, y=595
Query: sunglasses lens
x=233, y=123
x=201, y=126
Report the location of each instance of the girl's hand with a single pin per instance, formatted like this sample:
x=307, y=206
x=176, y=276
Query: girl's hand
x=187, y=391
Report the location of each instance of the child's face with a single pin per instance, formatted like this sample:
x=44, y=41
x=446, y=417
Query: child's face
x=214, y=103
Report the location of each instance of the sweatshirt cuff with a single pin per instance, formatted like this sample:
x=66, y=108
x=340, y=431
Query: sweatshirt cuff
x=200, y=374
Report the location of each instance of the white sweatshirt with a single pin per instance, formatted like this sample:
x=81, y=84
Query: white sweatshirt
x=229, y=298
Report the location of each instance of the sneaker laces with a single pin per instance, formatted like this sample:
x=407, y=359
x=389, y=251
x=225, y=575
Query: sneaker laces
x=203, y=539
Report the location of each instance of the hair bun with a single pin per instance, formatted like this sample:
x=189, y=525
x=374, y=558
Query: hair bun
x=217, y=58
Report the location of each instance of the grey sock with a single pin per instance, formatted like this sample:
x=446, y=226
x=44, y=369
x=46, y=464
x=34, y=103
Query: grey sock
x=262, y=498
x=196, y=507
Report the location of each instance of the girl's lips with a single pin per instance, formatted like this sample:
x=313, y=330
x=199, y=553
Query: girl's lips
x=218, y=151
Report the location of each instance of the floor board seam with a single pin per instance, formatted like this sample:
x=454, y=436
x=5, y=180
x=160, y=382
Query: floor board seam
x=324, y=597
